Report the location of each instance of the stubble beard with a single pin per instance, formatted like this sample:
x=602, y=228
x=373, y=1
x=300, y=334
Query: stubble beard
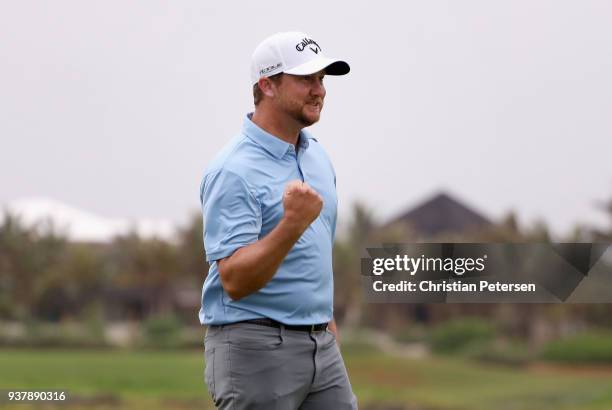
x=298, y=112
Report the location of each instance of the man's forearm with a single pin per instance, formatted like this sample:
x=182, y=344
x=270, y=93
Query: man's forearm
x=251, y=267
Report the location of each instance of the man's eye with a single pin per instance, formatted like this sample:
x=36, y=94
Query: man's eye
x=312, y=79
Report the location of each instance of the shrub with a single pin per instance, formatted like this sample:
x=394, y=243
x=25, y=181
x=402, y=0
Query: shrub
x=410, y=334
x=49, y=335
x=162, y=331
x=457, y=335
x=501, y=353
x=595, y=348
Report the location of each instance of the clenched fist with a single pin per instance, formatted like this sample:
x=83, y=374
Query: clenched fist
x=302, y=204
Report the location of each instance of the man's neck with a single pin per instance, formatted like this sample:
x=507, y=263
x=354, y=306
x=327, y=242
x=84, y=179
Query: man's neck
x=283, y=128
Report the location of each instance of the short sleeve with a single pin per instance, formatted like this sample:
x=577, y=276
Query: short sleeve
x=232, y=215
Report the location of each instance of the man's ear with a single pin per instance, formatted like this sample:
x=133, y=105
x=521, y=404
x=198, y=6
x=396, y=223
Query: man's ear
x=266, y=86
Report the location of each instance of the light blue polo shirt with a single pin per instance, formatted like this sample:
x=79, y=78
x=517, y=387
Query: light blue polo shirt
x=241, y=195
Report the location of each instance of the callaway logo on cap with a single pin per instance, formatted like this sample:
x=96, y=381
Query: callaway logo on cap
x=292, y=53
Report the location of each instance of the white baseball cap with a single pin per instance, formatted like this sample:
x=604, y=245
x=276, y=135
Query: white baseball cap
x=292, y=53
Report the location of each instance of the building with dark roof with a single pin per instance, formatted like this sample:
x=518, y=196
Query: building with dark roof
x=440, y=214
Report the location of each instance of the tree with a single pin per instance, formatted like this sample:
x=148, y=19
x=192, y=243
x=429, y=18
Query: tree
x=347, y=264
x=149, y=266
x=192, y=256
x=27, y=254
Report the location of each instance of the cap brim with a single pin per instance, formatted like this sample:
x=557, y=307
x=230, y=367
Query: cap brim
x=331, y=67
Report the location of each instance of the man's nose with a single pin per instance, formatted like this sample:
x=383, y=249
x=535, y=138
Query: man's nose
x=318, y=89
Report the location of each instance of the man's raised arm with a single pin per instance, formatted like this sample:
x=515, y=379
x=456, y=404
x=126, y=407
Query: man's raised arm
x=251, y=267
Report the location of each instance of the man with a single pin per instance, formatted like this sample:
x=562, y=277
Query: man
x=269, y=204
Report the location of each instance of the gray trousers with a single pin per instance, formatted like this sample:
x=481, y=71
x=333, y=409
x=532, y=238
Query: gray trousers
x=249, y=366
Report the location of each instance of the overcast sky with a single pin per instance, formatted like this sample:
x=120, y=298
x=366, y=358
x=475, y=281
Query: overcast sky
x=117, y=106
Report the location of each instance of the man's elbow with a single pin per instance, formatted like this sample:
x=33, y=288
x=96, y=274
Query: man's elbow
x=229, y=281
x=233, y=292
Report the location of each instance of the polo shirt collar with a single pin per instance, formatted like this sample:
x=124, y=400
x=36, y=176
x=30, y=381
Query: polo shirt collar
x=274, y=145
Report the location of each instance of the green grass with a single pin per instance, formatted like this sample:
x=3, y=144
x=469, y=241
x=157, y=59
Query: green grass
x=145, y=377
x=595, y=348
x=168, y=380
x=443, y=383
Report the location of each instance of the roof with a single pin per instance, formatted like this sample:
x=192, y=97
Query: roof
x=441, y=214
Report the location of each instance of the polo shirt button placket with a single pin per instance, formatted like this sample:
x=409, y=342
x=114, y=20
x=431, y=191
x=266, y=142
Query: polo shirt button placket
x=297, y=162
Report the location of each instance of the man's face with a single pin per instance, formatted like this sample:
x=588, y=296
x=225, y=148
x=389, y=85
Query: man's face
x=301, y=97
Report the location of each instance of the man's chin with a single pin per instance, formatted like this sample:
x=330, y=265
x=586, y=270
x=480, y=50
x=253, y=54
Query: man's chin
x=308, y=120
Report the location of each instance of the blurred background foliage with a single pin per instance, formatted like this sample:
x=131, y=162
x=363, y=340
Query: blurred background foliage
x=136, y=291
x=137, y=294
